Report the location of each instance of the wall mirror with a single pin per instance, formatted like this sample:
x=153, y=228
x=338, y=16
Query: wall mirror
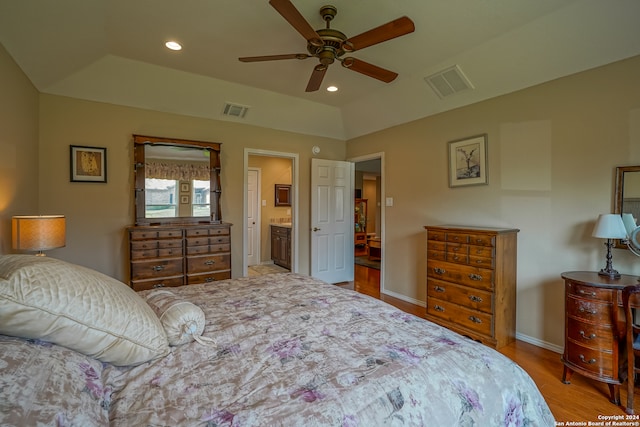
x=176, y=181
x=283, y=195
x=627, y=194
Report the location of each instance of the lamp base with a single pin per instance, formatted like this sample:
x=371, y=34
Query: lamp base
x=610, y=273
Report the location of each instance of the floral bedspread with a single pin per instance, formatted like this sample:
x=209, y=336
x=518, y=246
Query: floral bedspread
x=289, y=351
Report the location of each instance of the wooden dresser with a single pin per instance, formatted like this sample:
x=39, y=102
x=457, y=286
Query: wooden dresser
x=595, y=328
x=176, y=255
x=471, y=281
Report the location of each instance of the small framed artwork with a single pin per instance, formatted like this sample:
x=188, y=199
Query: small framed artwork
x=184, y=200
x=468, y=161
x=88, y=164
x=184, y=187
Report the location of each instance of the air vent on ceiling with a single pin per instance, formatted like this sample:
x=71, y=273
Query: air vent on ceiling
x=235, y=110
x=448, y=82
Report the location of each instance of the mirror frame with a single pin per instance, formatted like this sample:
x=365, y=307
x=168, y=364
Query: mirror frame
x=619, y=195
x=282, y=195
x=139, y=144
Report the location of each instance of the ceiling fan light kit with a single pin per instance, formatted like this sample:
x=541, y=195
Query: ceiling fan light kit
x=328, y=44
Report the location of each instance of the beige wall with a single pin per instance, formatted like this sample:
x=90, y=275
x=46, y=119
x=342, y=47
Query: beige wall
x=18, y=147
x=97, y=214
x=552, y=154
x=274, y=170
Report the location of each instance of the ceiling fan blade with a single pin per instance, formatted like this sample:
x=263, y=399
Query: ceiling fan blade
x=297, y=21
x=274, y=57
x=390, y=30
x=316, y=78
x=369, y=69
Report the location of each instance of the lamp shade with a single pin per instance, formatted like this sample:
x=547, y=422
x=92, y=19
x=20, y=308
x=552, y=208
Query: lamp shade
x=609, y=226
x=629, y=222
x=38, y=232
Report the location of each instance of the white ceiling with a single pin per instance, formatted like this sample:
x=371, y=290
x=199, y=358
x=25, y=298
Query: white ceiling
x=113, y=51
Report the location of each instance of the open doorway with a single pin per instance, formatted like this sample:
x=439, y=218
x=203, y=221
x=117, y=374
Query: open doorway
x=264, y=173
x=369, y=224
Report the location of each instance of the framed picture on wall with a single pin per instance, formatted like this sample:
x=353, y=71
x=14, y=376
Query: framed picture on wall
x=88, y=164
x=468, y=161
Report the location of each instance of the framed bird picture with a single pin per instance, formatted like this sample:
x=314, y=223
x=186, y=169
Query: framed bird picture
x=468, y=161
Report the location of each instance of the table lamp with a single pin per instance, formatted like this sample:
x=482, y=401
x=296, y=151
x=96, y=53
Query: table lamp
x=610, y=227
x=38, y=232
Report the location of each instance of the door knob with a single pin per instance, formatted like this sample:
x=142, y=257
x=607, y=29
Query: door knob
x=316, y=229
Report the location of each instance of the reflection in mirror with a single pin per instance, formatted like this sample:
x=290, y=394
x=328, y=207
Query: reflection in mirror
x=176, y=180
x=627, y=198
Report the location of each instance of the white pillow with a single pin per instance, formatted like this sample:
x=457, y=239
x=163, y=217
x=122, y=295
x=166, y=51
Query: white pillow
x=79, y=308
x=182, y=320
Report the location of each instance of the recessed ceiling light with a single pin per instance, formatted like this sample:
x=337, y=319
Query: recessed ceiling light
x=173, y=45
x=332, y=89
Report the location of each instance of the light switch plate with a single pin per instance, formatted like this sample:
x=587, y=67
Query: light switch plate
x=389, y=201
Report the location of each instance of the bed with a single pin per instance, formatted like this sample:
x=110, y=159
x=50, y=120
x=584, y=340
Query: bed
x=275, y=350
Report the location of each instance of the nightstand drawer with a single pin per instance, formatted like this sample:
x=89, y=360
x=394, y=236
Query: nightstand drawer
x=597, y=337
x=590, y=292
x=598, y=362
x=590, y=311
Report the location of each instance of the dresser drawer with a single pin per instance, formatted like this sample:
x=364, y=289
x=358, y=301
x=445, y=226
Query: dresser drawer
x=213, y=231
x=439, y=236
x=597, y=337
x=475, y=299
x=482, y=240
x=157, y=268
x=590, y=292
x=598, y=362
x=196, y=279
x=471, y=276
x=482, y=262
x=465, y=317
x=165, y=282
x=208, y=263
x=209, y=249
x=154, y=234
x=591, y=311
x=144, y=245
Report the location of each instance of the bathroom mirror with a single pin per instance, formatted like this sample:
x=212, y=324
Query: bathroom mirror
x=283, y=195
x=627, y=194
x=176, y=181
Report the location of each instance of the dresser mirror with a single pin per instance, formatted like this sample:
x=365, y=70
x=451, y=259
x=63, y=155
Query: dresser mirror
x=627, y=195
x=176, y=181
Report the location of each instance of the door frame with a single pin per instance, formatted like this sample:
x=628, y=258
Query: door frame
x=374, y=156
x=295, y=166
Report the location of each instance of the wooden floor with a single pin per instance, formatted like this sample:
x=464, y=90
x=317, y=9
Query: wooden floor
x=582, y=400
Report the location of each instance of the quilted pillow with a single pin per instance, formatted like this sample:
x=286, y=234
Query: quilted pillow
x=79, y=308
x=182, y=321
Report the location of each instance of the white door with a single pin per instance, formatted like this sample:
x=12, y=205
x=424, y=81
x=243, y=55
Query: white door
x=332, y=220
x=253, y=216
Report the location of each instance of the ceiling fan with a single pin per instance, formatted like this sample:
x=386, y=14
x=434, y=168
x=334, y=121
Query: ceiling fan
x=329, y=45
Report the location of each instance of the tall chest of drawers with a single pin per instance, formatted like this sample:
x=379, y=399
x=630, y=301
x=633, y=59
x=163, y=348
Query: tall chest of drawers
x=166, y=255
x=471, y=281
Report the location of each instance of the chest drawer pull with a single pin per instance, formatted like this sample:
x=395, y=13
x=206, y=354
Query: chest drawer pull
x=158, y=267
x=438, y=270
x=158, y=285
x=590, y=361
x=475, y=277
x=475, y=298
x=474, y=319
x=590, y=337
x=438, y=288
x=584, y=310
x=209, y=279
x=589, y=294
x=438, y=308
x=209, y=262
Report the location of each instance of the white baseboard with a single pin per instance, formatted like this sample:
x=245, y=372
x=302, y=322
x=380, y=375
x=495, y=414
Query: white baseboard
x=539, y=343
x=404, y=298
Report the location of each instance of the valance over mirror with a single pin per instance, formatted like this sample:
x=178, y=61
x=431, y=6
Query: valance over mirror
x=627, y=199
x=176, y=180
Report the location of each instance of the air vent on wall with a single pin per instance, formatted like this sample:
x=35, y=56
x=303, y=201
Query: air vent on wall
x=235, y=110
x=448, y=82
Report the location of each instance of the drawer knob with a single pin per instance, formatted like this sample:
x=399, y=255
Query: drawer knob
x=585, y=310
x=438, y=308
x=208, y=279
x=475, y=298
x=438, y=270
x=158, y=285
x=158, y=267
x=590, y=337
x=475, y=319
x=209, y=262
x=589, y=294
x=584, y=360
x=475, y=277
x=438, y=288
